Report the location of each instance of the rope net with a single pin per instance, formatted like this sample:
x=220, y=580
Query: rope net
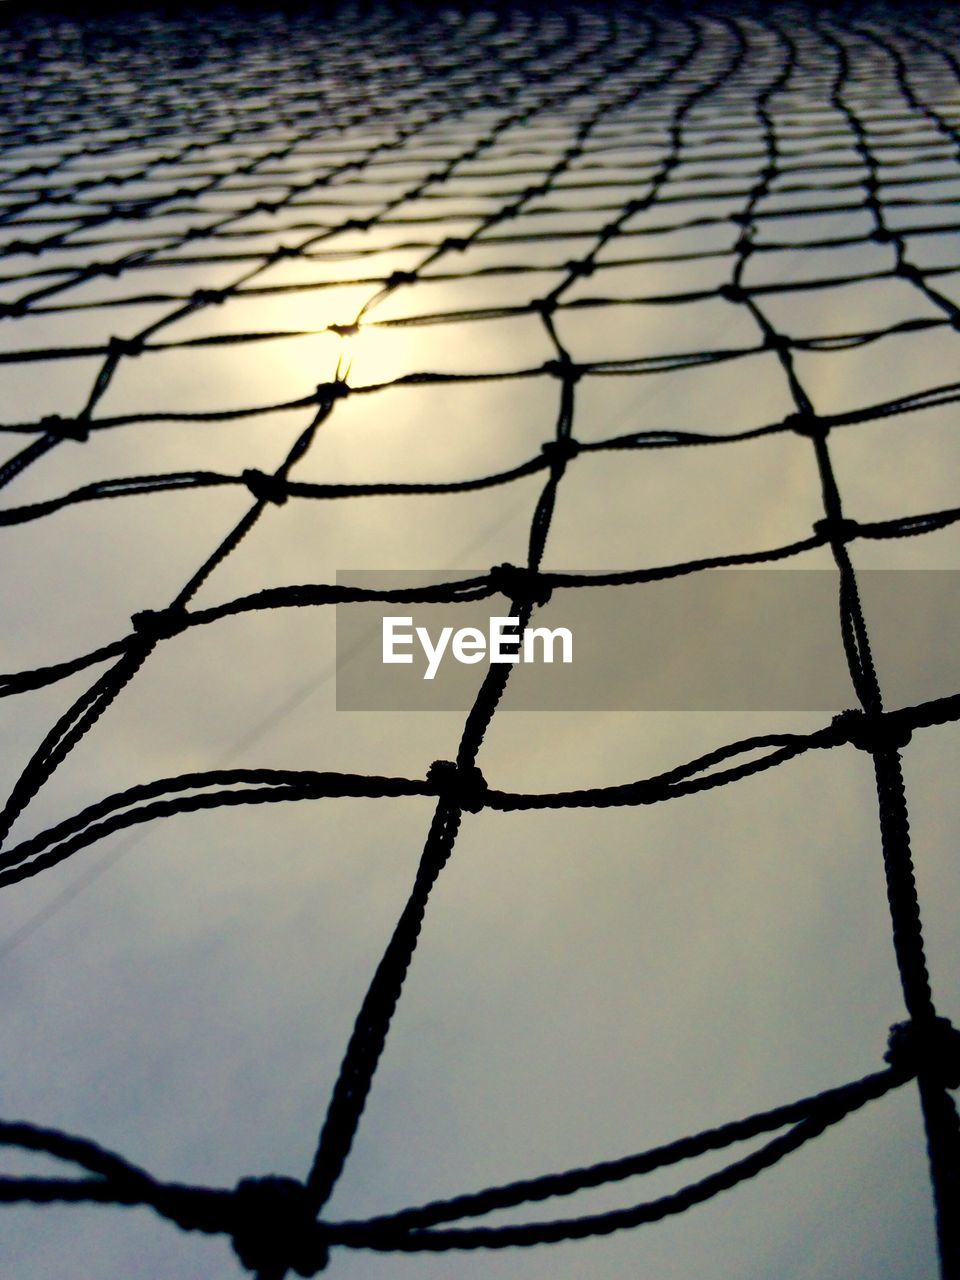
x=432, y=195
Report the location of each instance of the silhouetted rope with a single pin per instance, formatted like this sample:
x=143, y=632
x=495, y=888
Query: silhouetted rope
x=615, y=82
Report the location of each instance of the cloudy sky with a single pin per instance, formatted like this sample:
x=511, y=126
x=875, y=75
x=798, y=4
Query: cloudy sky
x=589, y=983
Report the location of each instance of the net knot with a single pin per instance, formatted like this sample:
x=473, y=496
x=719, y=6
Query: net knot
x=843, y=530
x=580, y=268
x=21, y=246
x=733, y=292
x=327, y=391
x=65, y=428
x=10, y=310
x=357, y=224
x=284, y=251
x=453, y=243
x=560, y=450
x=931, y=1046
x=159, y=624
x=112, y=269
x=207, y=297
x=564, y=369
x=910, y=271
x=276, y=1228
x=519, y=584
x=396, y=278
x=343, y=331
x=265, y=487
x=776, y=341
x=118, y=347
x=461, y=785
x=876, y=732
x=807, y=424
x=545, y=306
x=881, y=235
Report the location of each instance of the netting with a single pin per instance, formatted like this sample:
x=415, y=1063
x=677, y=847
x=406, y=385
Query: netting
x=552, y=169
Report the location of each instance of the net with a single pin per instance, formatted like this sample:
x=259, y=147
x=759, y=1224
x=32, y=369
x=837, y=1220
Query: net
x=553, y=169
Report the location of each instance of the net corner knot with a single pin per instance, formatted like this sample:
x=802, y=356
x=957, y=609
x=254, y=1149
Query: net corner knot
x=871, y=733
x=733, y=293
x=807, y=424
x=565, y=369
x=265, y=487
x=583, y=267
x=843, y=530
x=328, y=391
x=559, y=452
x=931, y=1046
x=776, y=341
x=462, y=785
x=276, y=1228
x=519, y=584
x=118, y=347
x=65, y=428
x=207, y=297
x=159, y=624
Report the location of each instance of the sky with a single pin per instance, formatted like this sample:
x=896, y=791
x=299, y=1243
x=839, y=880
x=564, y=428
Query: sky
x=589, y=982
